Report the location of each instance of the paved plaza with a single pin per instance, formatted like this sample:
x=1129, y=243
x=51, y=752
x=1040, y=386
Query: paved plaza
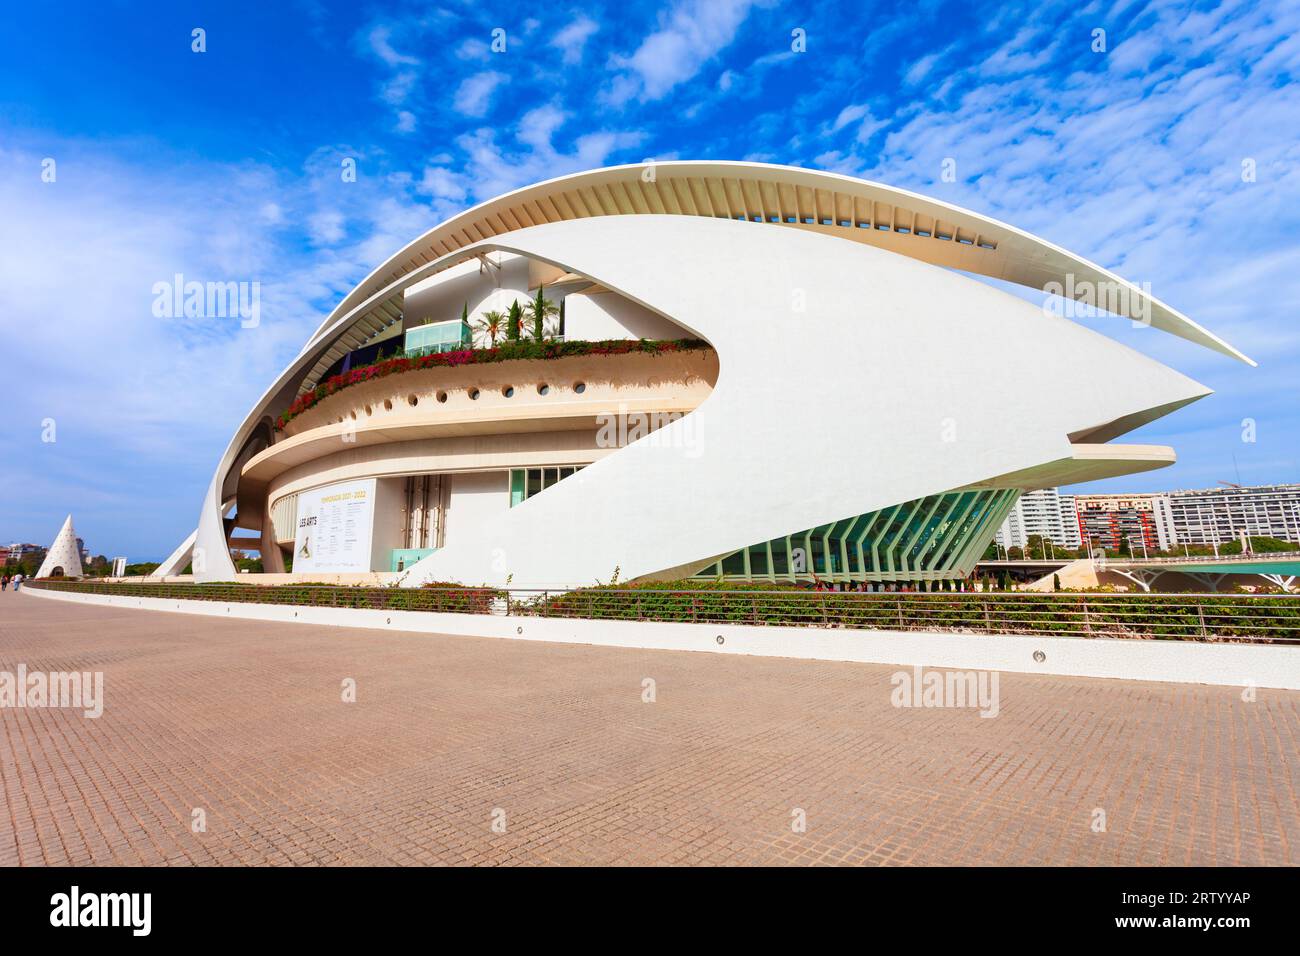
x=451, y=740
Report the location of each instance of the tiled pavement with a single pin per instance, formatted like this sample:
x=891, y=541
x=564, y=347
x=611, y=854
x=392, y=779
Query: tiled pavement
x=246, y=721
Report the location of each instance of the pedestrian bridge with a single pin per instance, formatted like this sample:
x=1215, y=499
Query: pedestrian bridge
x=1280, y=568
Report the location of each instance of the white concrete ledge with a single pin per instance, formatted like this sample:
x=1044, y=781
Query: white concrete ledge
x=1186, y=662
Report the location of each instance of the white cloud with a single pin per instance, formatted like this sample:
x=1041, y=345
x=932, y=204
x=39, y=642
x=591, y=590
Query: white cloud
x=380, y=39
x=326, y=227
x=919, y=70
x=472, y=48
x=537, y=126
x=399, y=87
x=573, y=38
x=769, y=60
x=849, y=115
x=404, y=69
x=494, y=168
x=443, y=183
x=689, y=35
x=474, y=96
x=859, y=115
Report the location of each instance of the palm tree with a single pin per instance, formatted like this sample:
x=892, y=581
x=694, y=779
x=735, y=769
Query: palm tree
x=539, y=310
x=491, y=324
x=513, y=317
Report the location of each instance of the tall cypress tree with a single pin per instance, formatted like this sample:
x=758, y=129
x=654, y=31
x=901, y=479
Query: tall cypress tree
x=513, y=318
x=539, y=313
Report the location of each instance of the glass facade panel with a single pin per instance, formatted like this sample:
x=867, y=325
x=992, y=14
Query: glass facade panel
x=516, y=486
x=934, y=539
x=780, y=557
x=733, y=563
x=402, y=558
x=438, y=337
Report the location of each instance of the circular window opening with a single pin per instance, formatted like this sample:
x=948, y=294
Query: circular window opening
x=473, y=394
x=354, y=415
x=412, y=400
x=369, y=410
x=508, y=391
x=580, y=387
x=543, y=389
x=388, y=404
x=442, y=396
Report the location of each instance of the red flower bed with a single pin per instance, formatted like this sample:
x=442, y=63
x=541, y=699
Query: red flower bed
x=509, y=351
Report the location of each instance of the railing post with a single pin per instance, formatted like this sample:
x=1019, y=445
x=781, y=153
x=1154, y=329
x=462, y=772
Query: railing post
x=1087, y=619
x=988, y=619
x=1200, y=613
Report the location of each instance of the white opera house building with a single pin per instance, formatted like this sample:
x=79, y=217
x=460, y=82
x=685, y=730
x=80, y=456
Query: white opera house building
x=746, y=373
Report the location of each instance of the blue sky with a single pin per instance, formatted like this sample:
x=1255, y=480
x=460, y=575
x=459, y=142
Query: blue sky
x=224, y=165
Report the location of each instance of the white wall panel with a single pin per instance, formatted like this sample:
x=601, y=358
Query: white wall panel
x=607, y=315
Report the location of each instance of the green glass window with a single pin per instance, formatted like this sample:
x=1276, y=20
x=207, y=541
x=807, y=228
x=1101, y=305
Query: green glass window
x=526, y=482
x=516, y=486
x=734, y=563
x=780, y=556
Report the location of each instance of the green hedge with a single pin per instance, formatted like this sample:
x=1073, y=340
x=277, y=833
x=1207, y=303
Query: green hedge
x=452, y=598
x=1153, y=616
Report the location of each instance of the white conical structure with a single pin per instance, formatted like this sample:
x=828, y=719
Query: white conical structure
x=63, y=553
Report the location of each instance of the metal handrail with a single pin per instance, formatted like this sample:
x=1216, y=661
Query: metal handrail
x=1271, y=619
x=242, y=586
x=1100, y=558
x=1204, y=558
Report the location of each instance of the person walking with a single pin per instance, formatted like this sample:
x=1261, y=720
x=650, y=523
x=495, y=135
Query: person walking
x=18, y=579
x=4, y=583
